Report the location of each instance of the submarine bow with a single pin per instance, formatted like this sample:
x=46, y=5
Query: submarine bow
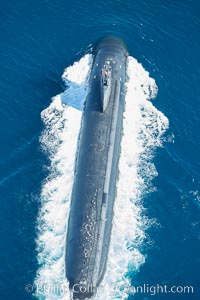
x=96, y=170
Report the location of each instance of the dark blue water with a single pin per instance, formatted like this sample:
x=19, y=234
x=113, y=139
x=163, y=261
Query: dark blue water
x=38, y=40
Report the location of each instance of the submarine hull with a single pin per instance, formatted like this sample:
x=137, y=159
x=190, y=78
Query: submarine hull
x=96, y=172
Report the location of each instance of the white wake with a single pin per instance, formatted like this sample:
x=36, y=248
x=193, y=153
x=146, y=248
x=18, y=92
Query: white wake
x=143, y=130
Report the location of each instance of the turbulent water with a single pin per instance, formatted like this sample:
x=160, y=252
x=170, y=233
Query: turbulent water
x=155, y=237
x=143, y=128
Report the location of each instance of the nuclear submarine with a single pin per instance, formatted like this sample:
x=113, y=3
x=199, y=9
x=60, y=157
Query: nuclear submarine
x=96, y=170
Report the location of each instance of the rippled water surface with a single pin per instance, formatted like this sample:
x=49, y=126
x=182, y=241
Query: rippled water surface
x=156, y=230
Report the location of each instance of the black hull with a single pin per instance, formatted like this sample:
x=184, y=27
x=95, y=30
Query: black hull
x=96, y=172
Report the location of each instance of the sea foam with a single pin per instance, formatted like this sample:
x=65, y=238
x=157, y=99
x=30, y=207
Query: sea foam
x=143, y=129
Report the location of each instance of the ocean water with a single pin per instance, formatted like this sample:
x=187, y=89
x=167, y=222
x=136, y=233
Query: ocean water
x=45, y=50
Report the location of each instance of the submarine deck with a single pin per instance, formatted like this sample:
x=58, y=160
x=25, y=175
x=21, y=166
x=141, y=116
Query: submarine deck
x=96, y=171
